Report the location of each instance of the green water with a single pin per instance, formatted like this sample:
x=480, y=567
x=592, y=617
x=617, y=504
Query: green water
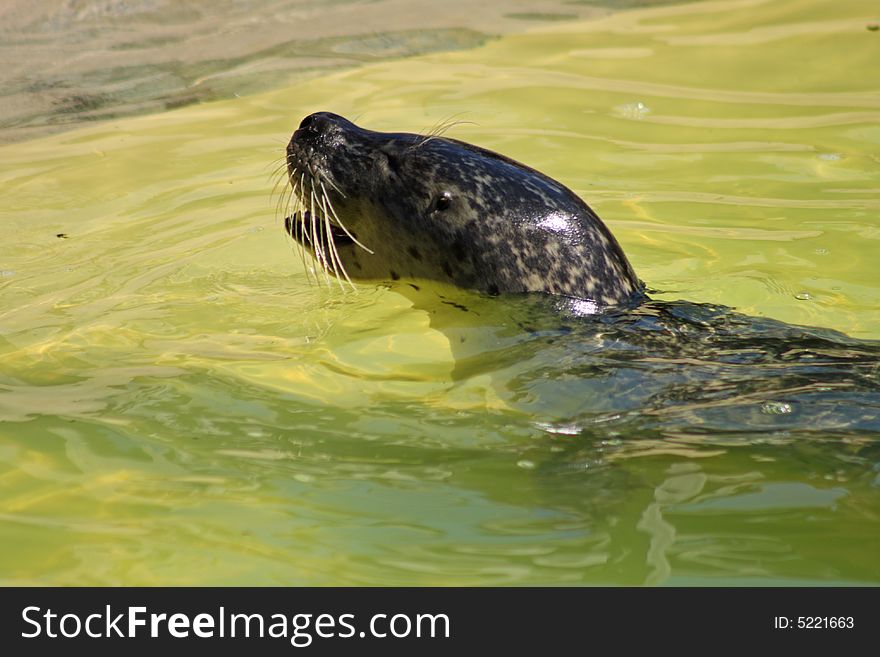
x=179, y=406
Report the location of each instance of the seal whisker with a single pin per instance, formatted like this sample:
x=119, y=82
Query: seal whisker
x=308, y=267
x=278, y=176
x=334, y=188
x=297, y=210
x=294, y=195
x=331, y=247
x=301, y=198
x=291, y=188
x=321, y=234
x=316, y=244
x=342, y=225
x=327, y=203
x=279, y=163
x=300, y=239
x=280, y=203
x=302, y=202
x=280, y=160
x=440, y=129
x=275, y=187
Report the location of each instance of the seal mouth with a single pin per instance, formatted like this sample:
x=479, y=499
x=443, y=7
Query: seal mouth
x=310, y=218
x=296, y=225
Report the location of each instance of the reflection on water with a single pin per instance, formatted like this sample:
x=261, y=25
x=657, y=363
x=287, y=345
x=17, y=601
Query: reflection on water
x=178, y=405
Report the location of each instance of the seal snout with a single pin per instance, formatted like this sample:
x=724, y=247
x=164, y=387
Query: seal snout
x=317, y=133
x=318, y=125
x=312, y=126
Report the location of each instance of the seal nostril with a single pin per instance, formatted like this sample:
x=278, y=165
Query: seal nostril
x=313, y=126
x=307, y=122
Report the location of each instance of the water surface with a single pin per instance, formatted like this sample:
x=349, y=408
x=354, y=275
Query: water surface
x=69, y=62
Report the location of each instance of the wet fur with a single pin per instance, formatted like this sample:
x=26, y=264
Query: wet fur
x=435, y=208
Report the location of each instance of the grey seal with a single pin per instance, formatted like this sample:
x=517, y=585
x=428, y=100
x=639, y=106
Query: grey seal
x=380, y=205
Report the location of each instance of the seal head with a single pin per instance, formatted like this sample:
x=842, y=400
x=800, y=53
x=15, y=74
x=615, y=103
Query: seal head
x=376, y=205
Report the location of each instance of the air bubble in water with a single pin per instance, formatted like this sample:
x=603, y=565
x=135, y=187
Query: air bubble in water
x=637, y=110
x=776, y=408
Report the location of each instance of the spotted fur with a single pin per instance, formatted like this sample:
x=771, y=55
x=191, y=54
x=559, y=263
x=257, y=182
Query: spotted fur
x=441, y=209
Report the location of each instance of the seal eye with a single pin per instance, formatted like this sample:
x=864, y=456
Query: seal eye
x=444, y=200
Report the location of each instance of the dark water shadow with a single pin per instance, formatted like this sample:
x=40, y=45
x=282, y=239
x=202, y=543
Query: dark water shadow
x=664, y=367
x=688, y=439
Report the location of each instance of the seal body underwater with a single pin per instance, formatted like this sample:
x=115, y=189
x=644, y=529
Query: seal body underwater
x=377, y=205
